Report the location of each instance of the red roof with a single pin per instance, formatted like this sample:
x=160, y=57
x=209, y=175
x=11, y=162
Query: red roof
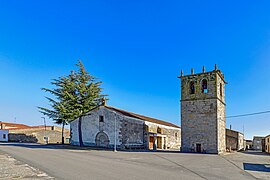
x=32, y=127
x=13, y=125
x=145, y=118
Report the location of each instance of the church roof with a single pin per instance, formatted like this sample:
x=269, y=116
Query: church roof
x=145, y=118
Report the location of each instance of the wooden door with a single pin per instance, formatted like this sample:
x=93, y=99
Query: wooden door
x=151, y=142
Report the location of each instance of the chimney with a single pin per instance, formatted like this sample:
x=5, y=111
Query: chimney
x=216, y=67
x=104, y=101
x=192, y=71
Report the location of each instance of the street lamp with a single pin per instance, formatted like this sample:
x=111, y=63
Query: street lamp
x=46, y=139
x=115, y=132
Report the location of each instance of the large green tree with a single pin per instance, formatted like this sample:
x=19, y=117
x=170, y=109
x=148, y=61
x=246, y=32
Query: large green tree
x=73, y=96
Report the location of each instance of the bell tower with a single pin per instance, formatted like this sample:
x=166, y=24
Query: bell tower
x=203, y=119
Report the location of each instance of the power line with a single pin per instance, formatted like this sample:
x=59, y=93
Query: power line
x=251, y=114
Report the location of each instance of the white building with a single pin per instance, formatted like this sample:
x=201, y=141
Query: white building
x=4, y=135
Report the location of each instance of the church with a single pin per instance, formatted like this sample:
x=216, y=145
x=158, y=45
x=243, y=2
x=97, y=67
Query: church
x=107, y=127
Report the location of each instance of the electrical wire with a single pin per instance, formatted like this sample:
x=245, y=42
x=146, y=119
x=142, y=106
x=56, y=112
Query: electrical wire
x=250, y=114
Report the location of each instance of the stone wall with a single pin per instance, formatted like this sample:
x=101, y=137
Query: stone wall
x=221, y=124
x=198, y=127
x=203, y=113
x=129, y=131
x=132, y=133
x=234, y=140
x=37, y=135
x=172, y=135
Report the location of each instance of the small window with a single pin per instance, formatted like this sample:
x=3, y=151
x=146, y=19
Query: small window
x=101, y=118
x=159, y=130
x=4, y=136
x=176, y=135
x=192, y=87
x=204, y=86
x=220, y=88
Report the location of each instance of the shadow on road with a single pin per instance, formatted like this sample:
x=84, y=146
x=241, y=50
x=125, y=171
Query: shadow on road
x=257, y=167
x=257, y=153
x=70, y=147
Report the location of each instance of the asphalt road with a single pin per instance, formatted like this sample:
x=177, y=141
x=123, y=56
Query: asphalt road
x=69, y=163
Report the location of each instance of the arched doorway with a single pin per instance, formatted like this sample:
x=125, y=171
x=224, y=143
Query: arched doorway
x=102, y=139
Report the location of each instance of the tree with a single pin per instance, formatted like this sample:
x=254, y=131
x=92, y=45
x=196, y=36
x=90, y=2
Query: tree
x=74, y=96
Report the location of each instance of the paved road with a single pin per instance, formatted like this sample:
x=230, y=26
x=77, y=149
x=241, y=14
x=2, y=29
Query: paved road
x=91, y=164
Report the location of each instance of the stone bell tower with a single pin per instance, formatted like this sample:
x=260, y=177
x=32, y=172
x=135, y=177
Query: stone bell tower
x=203, y=119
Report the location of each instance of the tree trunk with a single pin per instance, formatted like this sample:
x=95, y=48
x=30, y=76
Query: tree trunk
x=63, y=127
x=80, y=131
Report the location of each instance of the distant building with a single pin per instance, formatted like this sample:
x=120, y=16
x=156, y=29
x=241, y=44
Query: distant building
x=34, y=134
x=267, y=144
x=203, y=119
x=234, y=140
x=257, y=143
x=249, y=144
x=7, y=125
x=104, y=126
x=3, y=135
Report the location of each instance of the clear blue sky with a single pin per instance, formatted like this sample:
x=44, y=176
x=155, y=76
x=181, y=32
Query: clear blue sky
x=137, y=48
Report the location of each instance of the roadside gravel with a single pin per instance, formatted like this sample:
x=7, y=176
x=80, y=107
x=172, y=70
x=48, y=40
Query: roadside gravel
x=10, y=168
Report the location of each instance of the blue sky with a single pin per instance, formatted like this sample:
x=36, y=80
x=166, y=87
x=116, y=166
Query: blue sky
x=137, y=48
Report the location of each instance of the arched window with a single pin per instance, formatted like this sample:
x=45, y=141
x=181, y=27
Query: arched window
x=204, y=86
x=191, y=87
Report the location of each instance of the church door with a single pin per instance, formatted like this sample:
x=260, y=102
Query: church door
x=102, y=140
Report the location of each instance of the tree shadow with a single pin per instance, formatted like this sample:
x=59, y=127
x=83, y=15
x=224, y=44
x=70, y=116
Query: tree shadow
x=71, y=147
x=257, y=167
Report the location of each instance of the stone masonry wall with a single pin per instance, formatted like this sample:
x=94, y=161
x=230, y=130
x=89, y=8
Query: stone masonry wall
x=129, y=132
x=132, y=132
x=203, y=113
x=234, y=140
x=199, y=127
x=221, y=113
x=37, y=136
x=173, y=135
x=231, y=140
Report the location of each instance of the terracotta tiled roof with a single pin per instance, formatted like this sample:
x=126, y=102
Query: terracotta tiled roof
x=233, y=131
x=13, y=125
x=32, y=127
x=145, y=118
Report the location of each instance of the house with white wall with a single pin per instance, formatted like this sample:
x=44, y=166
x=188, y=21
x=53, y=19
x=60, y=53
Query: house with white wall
x=4, y=135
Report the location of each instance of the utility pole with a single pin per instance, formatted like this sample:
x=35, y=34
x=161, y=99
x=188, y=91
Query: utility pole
x=46, y=139
x=115, y=132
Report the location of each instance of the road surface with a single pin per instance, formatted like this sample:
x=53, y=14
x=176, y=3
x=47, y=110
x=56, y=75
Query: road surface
x=70, y=163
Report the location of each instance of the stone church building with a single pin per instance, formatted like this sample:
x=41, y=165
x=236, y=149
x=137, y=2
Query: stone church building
x=203, y=119
x=104, y=126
